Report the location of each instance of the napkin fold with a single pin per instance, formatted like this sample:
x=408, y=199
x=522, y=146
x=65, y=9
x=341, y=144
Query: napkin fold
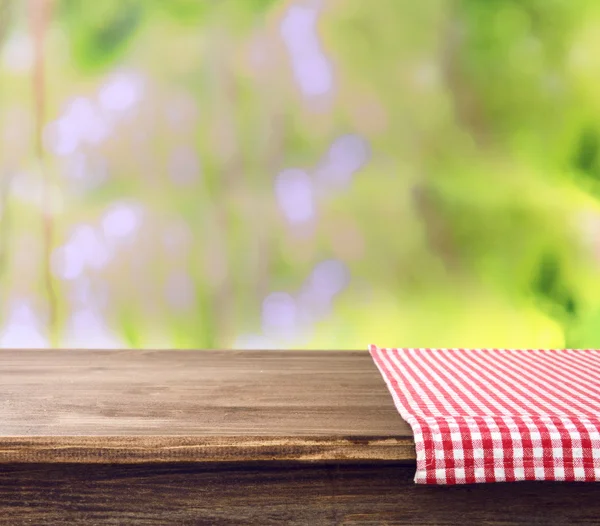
x=496, y=415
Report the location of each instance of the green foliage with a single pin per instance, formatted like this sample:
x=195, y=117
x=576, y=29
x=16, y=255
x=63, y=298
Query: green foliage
x=462, y=230
x=6, y=15
x=586, y=160
x=551, y=286
x=99, y=31
x=189, y=12
x=587, y=153
x=130, y=328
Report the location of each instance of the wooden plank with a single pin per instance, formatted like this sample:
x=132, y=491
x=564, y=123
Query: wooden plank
x=144, y=449
x=276, y=494
x=202, y=406
x=181, y=437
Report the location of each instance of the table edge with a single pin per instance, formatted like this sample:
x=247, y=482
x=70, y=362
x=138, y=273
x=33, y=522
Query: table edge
x=134, y=449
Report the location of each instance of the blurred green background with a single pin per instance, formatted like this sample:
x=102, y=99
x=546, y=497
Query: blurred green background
x=299, y=174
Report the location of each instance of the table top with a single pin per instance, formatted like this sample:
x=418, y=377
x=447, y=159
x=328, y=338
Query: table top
x=202, y=406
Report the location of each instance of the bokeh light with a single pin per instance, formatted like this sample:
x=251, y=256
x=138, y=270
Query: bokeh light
x=299, y=174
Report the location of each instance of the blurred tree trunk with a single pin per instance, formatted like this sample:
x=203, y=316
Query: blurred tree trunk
x=40, y=12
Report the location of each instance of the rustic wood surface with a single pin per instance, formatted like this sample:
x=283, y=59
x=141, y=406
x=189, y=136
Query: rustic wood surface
x=201, y=406
x=182, y=437
x=188, y=494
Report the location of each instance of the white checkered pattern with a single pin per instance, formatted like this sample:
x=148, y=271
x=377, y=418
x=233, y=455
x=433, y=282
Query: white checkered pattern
x=491, y=415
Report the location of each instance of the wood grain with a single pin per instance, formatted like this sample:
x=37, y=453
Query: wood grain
x=200, y=406
x=182, y=437
x=188, y=494
x=143, y=449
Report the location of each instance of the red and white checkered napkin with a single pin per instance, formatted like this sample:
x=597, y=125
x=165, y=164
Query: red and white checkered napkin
x=491, y=415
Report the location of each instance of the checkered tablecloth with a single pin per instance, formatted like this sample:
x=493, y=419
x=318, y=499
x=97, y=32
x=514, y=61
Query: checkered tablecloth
x=491, y=415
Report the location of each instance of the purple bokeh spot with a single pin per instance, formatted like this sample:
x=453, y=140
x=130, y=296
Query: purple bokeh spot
x=280, y=316
x=294, y=191
x=329, y=277
x=254, y=342
x=85, y=248
x=87, y=329
x=311, y=68
x=314, y=75
x=289, y=319
x=82, y=123
x=121, y=221
x=91, y=245
x=21, y=329
x=314, y=305
x=83, y=292
x=121, y=92
x=87, y=122
x=67, y=262
x=347, y=155
x=60, y=138
x=326, y=281
x=299, y=23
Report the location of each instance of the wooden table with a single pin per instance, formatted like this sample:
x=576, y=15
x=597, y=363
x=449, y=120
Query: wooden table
x=207, y=437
